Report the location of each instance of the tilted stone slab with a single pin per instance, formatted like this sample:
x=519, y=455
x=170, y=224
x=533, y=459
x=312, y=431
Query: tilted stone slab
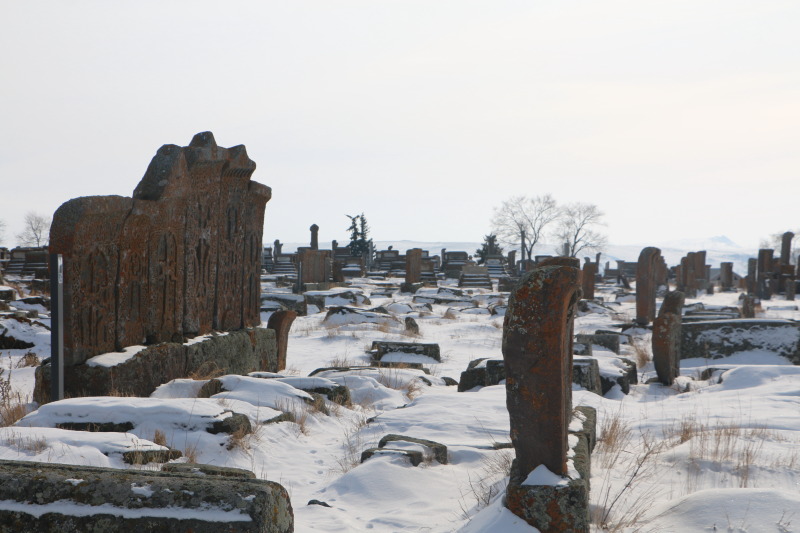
x=381, y=349
x=438, y=450
x=608, y=340
x=720, y=338
x=76, y=499
x=586, y=373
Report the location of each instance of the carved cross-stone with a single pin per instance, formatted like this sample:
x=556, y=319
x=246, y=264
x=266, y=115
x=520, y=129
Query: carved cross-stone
x=646, y=285
x=414, y=265
x=537, y=350
x=667, y=338
x=179, y=258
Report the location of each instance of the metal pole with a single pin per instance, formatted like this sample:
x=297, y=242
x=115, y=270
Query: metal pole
x=56, y=327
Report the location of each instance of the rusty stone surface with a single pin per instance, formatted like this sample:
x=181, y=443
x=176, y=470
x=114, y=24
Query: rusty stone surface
x=414, y=265
x=537, y=350
x=748, y=306
x=666, y=340
x=315, y=265
x=180, y=258
x=281, y=322
x=646, y=285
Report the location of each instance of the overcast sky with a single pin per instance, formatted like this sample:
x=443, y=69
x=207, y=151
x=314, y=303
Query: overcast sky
x=677, y=118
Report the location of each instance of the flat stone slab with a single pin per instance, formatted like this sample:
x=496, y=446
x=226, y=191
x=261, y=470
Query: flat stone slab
x=388, y=351
x=720, y=338
x=139, y=370
x=414, y=456
x=47, y=497
x=437, y=450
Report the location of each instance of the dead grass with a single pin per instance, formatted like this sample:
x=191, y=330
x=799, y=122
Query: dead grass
x=486, y=483
x=341, y=361
x=190, y=452
x=160, y=438
x=641, y=354
x=12, y=407
x=450, y=315
x=27, y=445
x=207, y=370
x=352, y=445
x=29, y=359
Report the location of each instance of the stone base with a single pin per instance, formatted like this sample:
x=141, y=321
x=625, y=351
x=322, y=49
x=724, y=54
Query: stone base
x=558, y=509
x=551, y=509
x=70, y=499
x=235, y=352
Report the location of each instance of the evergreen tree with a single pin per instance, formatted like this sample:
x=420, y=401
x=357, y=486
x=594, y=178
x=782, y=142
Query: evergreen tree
x=359, y=231
x=489, y=247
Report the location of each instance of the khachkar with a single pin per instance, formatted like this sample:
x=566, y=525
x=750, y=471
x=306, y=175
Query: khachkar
x=666, y=339
x=646, y=285
x=537, y=350
x=179, y=259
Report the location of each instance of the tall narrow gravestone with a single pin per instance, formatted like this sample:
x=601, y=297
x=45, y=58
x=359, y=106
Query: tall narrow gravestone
x=667, y=338
x=537, y=351
x=646, y=285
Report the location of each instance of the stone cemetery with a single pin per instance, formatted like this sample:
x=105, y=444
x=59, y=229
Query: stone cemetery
x=212, y=383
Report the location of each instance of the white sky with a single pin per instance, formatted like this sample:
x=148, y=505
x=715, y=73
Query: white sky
x=678, y=118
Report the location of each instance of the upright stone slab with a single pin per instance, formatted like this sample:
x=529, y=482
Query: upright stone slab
x=726, y=275
x=786, y=247
x=752, y=270
x=763, y=286
x=587, y=284
x=281, y=322
x=667, y=338
x=537, y=350
x=414, y=265
x=314, y=265
x=314, y=236
x=646, y=285
x=537, y=353
x=180, y=258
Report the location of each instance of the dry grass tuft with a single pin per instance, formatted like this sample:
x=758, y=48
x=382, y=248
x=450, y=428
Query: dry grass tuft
x=28, y=445
x=641, y=354
x=29, y=359
x=159, y=438
x=487, y=483
x=207, y=370
x=450, y=315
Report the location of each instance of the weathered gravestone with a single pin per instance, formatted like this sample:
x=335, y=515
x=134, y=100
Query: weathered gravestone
x=537, y=350
x=726, y=275
x=589, y=273
x=180, y=258
x=786, y=247
x=414, y=265
x=667, y=338
x=646, y=285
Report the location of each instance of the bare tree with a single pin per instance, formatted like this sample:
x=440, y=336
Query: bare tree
x=36, y=232
x=578, y=228
x=522, y=220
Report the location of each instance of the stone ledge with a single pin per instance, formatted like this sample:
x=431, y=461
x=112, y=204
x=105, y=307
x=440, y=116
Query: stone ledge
x=70, y=499
x=234, y=352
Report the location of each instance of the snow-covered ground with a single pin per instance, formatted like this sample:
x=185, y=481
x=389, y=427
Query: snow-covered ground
x=715, y=455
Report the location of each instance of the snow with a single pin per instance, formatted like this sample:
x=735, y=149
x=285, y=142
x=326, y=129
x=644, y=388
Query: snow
x=115, y=358
x=541, y=475
x=723, y=454
x=209, y=514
